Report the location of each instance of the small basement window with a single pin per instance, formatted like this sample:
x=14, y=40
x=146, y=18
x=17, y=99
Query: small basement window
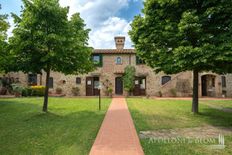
x=50, y=82
x=165, y=79
x=78, y=80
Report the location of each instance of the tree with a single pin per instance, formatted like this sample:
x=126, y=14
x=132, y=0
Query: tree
x=4, y=25
x=128, y=78
x=45, y=40
x=176, y=36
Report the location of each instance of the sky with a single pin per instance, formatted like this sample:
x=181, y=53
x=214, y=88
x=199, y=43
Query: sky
x=105, y=18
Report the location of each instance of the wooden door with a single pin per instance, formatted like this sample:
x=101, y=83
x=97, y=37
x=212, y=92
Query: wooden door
x=118, y=86
x=89, y=86
x=140, y=86
x=204, y=85
x=136, y=91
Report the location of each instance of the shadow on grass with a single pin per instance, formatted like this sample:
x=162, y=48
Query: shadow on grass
x=27, y=130
x=180, y=119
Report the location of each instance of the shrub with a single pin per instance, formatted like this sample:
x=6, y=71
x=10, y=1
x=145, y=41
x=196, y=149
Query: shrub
x=38, y=90
x=59, y=90
x=17, y=88
x=110, y=90
x=27, y=91
x=128, y=78
x=76, y=91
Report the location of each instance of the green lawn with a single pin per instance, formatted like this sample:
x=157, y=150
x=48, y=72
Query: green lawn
x=149, y=114
x=70, y=127
x=222, y=103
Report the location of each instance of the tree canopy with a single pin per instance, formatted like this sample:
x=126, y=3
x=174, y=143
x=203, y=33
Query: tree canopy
x=4, y=26
x=177, y=35
x=44, y=40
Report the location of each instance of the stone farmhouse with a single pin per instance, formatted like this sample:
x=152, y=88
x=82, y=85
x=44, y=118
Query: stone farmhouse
x=110, y=69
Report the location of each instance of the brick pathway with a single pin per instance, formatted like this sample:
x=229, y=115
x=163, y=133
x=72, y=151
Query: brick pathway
x=117, y=135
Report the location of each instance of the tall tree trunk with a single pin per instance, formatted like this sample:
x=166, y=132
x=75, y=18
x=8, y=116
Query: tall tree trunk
x=45, y=105
x=195, y=92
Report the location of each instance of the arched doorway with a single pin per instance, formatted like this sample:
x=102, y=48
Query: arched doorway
x=208, y=85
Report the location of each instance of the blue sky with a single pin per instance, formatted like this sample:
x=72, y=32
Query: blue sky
x=105, y=18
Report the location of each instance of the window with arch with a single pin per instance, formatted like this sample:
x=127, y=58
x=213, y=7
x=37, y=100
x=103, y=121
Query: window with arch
x=118, y=60
x=165, y=79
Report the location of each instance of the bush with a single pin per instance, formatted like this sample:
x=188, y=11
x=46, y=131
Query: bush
x=17, y=88
x=58, y=90
x=128, y=78
x=38, y=90
x=110, y=90
x=3, y=91
x=76, y=91
x=27, y=91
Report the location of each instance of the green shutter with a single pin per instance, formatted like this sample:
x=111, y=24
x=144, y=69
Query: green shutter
x=101, y=61
x=137, y=60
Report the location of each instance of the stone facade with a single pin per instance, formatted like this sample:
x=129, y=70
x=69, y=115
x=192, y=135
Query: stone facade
x=113, y=63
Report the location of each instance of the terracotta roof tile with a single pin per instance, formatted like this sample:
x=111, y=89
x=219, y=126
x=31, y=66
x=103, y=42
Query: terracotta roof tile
x=114, y=51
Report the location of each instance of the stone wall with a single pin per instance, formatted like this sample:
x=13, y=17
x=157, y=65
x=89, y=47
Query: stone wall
x=229, y=85
x=109, y=71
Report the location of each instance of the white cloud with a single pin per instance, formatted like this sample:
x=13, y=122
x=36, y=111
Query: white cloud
x=99, y=16
x=103, y=37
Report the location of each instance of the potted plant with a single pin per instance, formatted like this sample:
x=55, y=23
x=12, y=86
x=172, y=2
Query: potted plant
x=76, y=91
x=110, y=91
x=58, y=90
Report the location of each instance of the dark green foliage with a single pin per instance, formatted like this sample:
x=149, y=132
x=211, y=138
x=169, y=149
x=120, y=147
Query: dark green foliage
x=45, y=40
x=4, y=25
x=27, y=91
x=175, y=36
x=179, y=35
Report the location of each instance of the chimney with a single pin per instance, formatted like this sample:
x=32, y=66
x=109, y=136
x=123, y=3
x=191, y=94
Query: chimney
x=119, y=42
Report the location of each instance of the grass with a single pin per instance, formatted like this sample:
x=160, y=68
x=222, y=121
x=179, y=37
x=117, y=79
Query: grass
x=222, y=103
x=151, y=114
x=70, y=126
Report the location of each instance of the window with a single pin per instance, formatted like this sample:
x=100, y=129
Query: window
x=97, y=59
x=50, y=82
x=213, y=81
x=223, y=81
x=118, y=60
x=165, y=79
x=78, y=80
x=139, y=61
x=32, y=79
